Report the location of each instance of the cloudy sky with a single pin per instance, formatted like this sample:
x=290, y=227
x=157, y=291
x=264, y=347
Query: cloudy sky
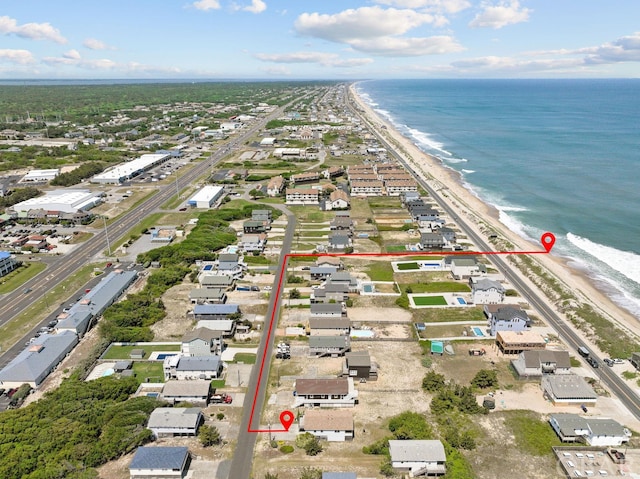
x=319, y=39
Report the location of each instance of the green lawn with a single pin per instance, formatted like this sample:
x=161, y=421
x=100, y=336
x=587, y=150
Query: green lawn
x=246, y=358
x=439, y=315
x=379, y=271
x=429, y=301
x=437, y=287
x=151, y=370
x=21, y=275
x=407, y=266
x=533, y=435
x=122, y=352
x=396, y=248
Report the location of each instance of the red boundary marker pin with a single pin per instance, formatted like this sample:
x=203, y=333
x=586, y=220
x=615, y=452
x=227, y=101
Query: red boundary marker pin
x=548, y=240
x=286, y=418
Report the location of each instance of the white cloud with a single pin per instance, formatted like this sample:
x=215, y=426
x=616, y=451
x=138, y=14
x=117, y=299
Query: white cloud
x=277, y=71
x=94, y=44
x=406, y=47
x=442, y=6
x=257, y=6
x=21, y=57
x=361, y=23
x=624, y=49
x=73, y=58
x=207, y=5
x=325, y=59
x=377, y=31
x=505, y=13
x=32, y=31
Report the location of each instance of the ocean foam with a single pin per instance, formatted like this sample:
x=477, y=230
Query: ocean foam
x=425, y=140
x=468, y=172
x=626, y=263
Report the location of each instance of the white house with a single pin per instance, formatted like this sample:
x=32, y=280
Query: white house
x=169, y=421
x=275, y=186
x=300, y=196
x=465, y=267
x=486, y=291
x=506, y=317
x=418, y=457
x=194, y=392
x=568, y=389
x=339, y=392
x=593, y=431
x=531, y=364
x=192, y=367
x=331, y=425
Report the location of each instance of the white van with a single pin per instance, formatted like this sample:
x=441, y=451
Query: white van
x=577, y=473
x=571, y=464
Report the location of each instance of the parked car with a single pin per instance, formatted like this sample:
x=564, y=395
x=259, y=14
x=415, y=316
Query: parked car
x=609, y=362
x=618, y=361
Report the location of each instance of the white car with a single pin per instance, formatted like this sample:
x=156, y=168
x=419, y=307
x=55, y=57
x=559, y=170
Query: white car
x=618, y=361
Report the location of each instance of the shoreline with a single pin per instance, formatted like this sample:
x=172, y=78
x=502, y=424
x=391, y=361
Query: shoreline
x=448, y=182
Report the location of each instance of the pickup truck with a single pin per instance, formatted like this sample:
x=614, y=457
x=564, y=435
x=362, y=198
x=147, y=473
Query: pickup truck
x=221, y=399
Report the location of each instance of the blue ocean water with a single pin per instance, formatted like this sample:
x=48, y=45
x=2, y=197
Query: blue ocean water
x=550, y=155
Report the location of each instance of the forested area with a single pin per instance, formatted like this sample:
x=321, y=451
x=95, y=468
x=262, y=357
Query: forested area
x=74, y=428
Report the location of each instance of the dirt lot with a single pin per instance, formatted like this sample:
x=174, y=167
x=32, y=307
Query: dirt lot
x=175, y=323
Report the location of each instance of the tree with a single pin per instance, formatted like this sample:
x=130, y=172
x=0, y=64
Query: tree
x=209, y=436
x=433, y=381
x=485, y=378
x=386, y=469
x=294, y=294
x=410, y=425
x=313, y=447
x=268, y=475
x=256, y=193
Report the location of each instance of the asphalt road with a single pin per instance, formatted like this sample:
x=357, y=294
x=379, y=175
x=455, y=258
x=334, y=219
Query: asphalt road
x=607, y=377
x=254, y=399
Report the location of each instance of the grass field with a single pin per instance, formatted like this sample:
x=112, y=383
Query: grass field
x=429, y=301
x=379, y=271
x=122, y=352
x=149, y=370
x=19, y=276
x=407, y=266
x=437, y=287
x=439, y=315
x=245, y=358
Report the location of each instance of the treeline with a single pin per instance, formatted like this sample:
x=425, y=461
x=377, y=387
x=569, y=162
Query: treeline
x=43, y=102
x=18, y=195
x=84, y=171
x=74, y=428
x=130, y=320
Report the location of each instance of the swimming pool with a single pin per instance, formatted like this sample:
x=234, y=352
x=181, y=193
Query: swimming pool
x=367, y=288
x=161, y=356
x=477, y=331
x=461, y=301
x=362, y=333
x=207, y=267
x=108, y=372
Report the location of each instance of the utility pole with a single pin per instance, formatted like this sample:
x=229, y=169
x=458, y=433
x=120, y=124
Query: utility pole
x=106, y=234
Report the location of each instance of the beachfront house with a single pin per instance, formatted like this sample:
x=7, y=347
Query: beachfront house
x=567, y=390
x=486, y=291
x=506, y=317
x=531, y=364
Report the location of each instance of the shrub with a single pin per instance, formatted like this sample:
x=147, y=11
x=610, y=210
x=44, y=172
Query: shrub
x=286, y=449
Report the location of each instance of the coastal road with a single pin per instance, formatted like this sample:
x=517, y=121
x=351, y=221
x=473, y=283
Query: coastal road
x=65, y=265
x=254, y=399
x=609, y=378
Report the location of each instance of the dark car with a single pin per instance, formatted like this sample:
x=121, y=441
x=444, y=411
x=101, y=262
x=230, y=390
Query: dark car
x=608, y=362
x=593, y=362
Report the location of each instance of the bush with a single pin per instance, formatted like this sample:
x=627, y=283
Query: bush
x=209, y=436
x=433, y=381
x=485, y=378
x=220, y=416
x=426, y=361
x=313, y=447
x=286, y=449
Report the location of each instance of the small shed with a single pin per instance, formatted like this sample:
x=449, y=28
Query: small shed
x=137, y=354
x=437, y=347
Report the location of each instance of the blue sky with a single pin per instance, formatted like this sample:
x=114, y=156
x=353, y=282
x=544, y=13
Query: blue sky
x=319, y=39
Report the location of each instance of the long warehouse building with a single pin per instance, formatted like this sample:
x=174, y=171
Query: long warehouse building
x=126, y=171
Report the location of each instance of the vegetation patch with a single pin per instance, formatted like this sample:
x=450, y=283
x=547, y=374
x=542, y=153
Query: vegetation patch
x=407, y=266
x=379, y=271
x=429, y=301
x=532, y=434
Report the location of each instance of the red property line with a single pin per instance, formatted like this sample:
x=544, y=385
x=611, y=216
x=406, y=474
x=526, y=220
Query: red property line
x=547, y=241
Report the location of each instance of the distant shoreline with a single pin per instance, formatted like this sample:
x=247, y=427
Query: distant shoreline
x=476, y=212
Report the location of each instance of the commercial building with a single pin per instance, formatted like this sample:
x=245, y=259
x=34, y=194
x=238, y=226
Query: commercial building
x=206, y=197
x=66, y=201
x=568, y=389
x=37, y=176
x=131, y=169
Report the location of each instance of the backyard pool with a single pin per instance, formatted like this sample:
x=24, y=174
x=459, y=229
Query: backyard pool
x=108, y=372
x=461, y=301
x=477, y=331
x=367, y=288
x=162, y=356
x=362, y=333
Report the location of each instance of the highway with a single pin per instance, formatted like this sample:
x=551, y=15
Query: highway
x=65, y=265
x=254, y=399
x=607, y=376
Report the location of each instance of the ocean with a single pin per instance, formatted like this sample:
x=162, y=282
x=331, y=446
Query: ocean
x=551, y=155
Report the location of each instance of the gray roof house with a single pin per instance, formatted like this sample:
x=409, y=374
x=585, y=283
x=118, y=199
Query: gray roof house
x=192, y=367
x=567, y=389
x=358, y=364
x=339, y=241
x=329, y=326
x=202, y=342
x=216, y=281
x=333, y=346
x=208, y=295
x=214, y=311
x=431, y=240
x=486, y=291
x=344, y=277
x=593, y=431
x=33, y=364
x=227, y=261
x=419, y=457
x=531, y=364
x=169, y=421
x=506, y=317
x=329, y=310
x=161, y=462
x=194, y=392
x=322, y=272
x=330, y=292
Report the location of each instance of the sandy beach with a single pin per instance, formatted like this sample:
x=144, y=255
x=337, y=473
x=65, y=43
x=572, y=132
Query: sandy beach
x=448, y=183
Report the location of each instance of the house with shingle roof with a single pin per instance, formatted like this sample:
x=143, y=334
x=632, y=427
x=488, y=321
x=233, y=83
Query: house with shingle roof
x=418, y=457
x=592, y=431
x=339, y=392
x=166, y=462
x=179, y=421
x=531, y=364
x=331, y=425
